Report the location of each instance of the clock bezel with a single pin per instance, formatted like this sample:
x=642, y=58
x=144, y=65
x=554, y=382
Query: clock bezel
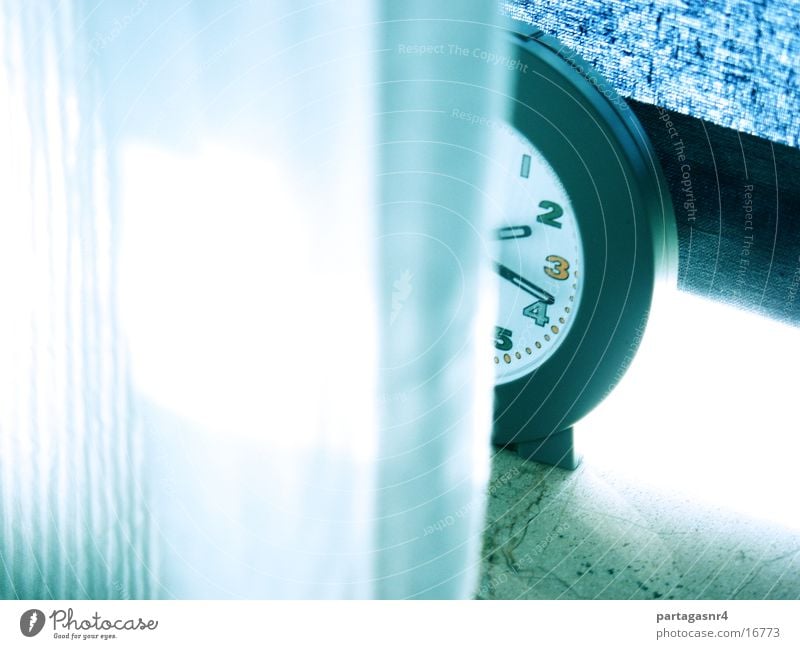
x=600, y=153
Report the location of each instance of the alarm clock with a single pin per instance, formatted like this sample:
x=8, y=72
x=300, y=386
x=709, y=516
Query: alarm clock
x=586, y=230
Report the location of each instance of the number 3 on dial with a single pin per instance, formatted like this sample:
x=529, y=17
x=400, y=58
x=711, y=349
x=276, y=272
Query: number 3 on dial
x=559, y=268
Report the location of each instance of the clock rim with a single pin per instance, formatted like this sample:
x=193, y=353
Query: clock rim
x=523, y=411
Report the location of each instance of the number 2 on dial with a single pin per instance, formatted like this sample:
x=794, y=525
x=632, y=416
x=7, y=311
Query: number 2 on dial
x=559, y=268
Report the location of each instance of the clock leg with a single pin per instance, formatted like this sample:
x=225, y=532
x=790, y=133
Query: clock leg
x=557, y=449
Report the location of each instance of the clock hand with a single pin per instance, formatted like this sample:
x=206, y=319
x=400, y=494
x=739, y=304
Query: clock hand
x=519, y=281
x=513, y=232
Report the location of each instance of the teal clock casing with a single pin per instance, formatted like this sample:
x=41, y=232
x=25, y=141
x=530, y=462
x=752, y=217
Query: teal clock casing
x=614, y=196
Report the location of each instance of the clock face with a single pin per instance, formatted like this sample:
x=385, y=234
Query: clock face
x=538, y=260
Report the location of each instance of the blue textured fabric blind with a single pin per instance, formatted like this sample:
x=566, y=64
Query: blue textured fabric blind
x=731, y=62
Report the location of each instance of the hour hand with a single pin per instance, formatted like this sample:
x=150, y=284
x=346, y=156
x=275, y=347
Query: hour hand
x=520, y=282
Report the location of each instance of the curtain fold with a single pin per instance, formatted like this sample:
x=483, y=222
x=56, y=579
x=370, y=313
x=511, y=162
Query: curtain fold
x=243, y=346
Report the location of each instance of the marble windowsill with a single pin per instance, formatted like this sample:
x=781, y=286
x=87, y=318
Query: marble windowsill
x=588, y=534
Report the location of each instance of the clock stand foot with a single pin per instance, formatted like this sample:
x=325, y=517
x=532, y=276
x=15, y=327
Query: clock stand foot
x=557, y=450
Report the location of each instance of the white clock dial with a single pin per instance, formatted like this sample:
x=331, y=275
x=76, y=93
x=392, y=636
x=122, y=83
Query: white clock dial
x=538, y=260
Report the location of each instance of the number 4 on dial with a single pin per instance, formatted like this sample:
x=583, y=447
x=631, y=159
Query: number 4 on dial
x=537, y=311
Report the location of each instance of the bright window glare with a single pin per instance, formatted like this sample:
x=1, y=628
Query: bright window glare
x=708, y=409
x=221, y=301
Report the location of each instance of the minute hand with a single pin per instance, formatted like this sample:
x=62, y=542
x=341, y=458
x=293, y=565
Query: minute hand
x=518, y=280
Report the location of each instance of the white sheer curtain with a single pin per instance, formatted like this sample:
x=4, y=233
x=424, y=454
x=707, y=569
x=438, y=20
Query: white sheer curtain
x=72, y=495
x=244, y=351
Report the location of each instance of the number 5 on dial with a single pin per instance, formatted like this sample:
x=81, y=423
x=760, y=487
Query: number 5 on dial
x=502, y=339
